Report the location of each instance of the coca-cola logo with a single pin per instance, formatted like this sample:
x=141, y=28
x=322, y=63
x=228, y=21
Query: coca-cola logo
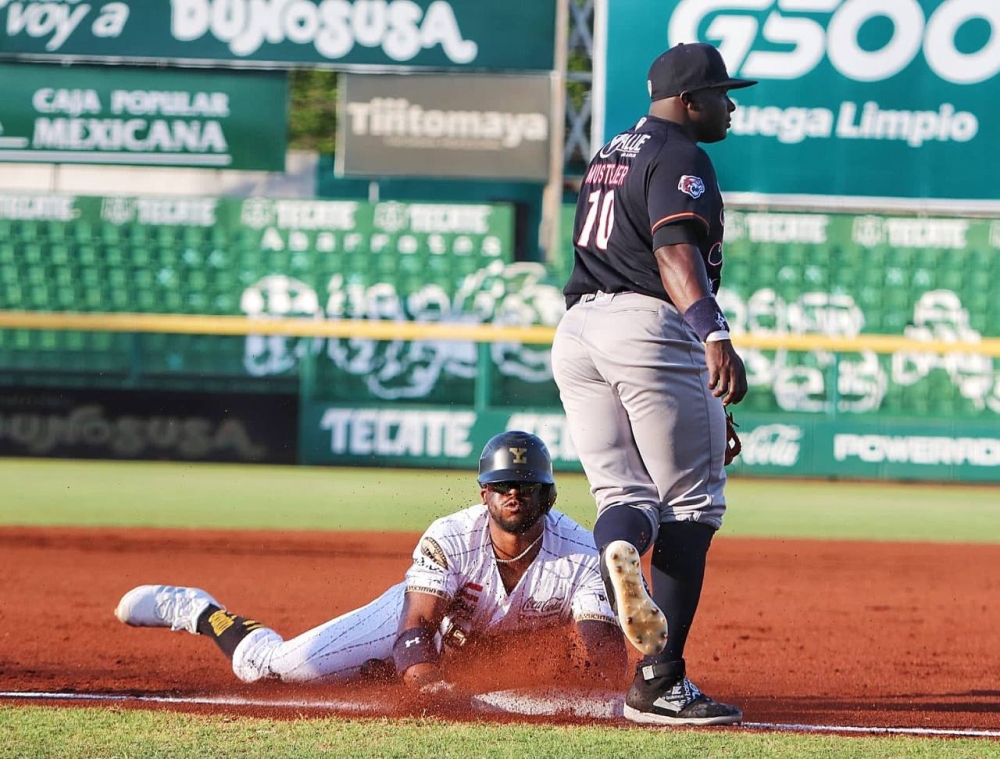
x=772, y=445
x=549, y=607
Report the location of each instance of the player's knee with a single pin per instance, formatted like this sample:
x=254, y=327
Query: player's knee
x=624, y=522
x=252, y=657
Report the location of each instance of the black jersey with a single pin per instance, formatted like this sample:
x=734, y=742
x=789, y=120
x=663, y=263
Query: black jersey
x=637, y=188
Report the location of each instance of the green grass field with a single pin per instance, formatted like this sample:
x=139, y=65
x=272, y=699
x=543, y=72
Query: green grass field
x=71, y=493
x=83, y=733
x=133, y=494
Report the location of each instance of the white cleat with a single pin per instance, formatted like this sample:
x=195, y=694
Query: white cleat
x=164, y=606
x=640, y=619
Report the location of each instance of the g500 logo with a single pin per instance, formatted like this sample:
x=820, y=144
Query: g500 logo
x=736, y=24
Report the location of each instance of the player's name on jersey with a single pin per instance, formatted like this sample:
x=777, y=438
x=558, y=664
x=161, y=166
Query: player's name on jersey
x=856, y=121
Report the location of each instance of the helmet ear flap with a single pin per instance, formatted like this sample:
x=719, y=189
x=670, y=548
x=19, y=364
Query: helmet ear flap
x=549, y=497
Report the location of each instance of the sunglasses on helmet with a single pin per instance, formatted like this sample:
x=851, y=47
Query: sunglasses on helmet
x=524, y=488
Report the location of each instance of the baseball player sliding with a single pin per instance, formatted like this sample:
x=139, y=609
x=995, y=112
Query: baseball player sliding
x=508, y=564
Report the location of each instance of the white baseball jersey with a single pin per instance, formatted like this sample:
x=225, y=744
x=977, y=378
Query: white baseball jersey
x=453, y=560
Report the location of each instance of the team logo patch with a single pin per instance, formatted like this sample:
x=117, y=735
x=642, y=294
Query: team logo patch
x=692, y=186
x=430, y=548
x=520, y=455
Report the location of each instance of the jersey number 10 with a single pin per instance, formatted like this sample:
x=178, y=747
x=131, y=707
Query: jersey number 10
x=599, y=212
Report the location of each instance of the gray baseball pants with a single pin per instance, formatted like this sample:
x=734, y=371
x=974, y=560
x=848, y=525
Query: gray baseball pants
x=633, y=382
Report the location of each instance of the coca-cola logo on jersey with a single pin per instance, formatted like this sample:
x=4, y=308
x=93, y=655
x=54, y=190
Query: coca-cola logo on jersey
x=532, y=607
x=772, y=445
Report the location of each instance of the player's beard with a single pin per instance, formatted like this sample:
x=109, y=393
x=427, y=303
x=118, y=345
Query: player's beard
x=519, y=523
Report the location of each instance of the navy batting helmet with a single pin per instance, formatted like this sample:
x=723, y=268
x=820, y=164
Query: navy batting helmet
x=515, y=456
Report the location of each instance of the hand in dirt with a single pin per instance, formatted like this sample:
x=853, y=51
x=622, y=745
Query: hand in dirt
x=444, y=695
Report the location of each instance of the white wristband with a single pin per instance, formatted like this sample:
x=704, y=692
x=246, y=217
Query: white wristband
x=718, y=335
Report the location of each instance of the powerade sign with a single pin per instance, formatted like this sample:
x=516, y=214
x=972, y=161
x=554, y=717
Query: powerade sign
x=885, y=98
x=287, y=33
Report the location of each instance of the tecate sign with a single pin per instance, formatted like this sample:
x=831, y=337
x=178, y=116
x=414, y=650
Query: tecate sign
x=898, y=91
x=460, y=125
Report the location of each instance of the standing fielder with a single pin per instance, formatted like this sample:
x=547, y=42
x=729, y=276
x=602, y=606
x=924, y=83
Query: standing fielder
x=645, y=367
x=508, y=564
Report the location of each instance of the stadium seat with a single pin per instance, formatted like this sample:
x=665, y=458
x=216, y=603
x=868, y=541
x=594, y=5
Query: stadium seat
x=12, y=296
x=139, y=256
x=82, y=232
x=735, y=272
x=112, y=256
x=86, y=255
x=31, y=253
x=135, y=235
x=927, y=258
x=93, y=300
x=110, y=234
x=165, y=256
x=54, y=231
x=59, y=254
x=66, y=298
x=36, y=274
x=39, y=298
x=192, y=237
x=166, y=237
x=25, y=230
x=63, y=276
x=9, y=275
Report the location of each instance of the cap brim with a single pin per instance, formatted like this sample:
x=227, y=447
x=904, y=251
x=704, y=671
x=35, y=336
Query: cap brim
x=736, y=84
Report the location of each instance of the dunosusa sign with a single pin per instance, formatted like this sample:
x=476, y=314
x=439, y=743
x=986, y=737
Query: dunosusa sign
x=287, y=33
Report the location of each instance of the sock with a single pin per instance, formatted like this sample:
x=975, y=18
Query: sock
x=650, y=677
x=226, y=629
x=678, y=571
x=623, y=523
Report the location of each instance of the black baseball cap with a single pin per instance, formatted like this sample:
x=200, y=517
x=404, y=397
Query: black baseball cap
x=687, y=67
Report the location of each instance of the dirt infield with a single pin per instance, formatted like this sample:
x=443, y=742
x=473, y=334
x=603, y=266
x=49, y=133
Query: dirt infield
x=803, y=632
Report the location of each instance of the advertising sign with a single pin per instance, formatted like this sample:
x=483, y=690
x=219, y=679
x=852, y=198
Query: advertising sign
x=135, y=116
x=464, y=34
x=893, y=98
x=795, y=446
x=175, y=426
x=468, y=125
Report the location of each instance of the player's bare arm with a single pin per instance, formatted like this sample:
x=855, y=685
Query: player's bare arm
x=683, y=274
x=414, y=652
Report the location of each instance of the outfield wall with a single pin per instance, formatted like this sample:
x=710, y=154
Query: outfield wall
x=887, y=291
